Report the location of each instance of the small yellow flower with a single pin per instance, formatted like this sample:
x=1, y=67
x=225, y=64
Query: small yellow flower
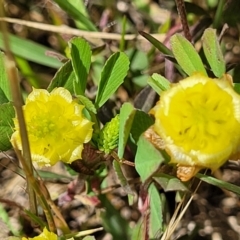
x=199, y=121
x=56, y=127
x=45, y=235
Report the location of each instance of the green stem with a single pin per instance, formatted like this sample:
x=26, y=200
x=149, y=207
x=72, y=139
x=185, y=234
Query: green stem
x=122, y=42
x=218, y=16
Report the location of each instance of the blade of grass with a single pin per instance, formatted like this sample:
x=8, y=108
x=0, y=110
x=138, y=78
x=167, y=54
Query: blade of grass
x=219, y=183
x=27, y=72
x=218, y=16
x=162, y=48
x=76, y=14
x=156, y=43
x=30, y=51
x=4, y=83
x=84, y=233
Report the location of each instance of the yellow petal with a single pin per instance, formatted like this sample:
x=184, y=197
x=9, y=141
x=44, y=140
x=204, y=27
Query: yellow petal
x=38, y=95
x=199, y=121
x=56, y=127
x=45, y=235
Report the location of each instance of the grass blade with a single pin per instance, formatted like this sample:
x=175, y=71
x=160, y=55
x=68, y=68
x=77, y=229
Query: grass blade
x=24, y=49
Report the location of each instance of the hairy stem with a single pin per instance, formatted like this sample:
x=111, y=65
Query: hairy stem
x=183, y=16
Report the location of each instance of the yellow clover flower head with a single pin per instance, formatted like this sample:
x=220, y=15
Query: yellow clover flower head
x=198, y=120
x=56, y=127
x=45, y=235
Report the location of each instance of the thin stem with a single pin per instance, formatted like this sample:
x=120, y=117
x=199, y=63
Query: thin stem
x=183, y=16
x=64, y=227
x=178, y=214
x=86, y=34
x=123, y=161
x=17, y=101
x=122, y=42
x=44, y=198
x=40, y=192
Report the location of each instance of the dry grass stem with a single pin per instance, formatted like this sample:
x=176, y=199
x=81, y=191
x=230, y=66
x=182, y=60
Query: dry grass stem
x=77, y=32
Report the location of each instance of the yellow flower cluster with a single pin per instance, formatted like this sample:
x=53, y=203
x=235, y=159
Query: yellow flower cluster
x=56, y=127
x=198, y=120
x=45, y=235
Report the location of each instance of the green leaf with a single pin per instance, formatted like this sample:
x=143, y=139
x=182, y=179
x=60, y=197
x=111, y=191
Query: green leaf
x=169, y=183
x=141, y=122
x=140, y=229
x=113, y=74
x=81, y=60
x=76, y=14
x=64, y=77
x=138, y=60
x=126, y=117
x=87, y=103
x=139, y=63
x=158, y=83
x=148, y=158
x=3, y=98
x=237, y=87
x=30, y=51
x=213, y=53
x=5, y=91
x=219, y=183
x=7, y=114
x=156, y=212
x=186, y=55
x=139, y=79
